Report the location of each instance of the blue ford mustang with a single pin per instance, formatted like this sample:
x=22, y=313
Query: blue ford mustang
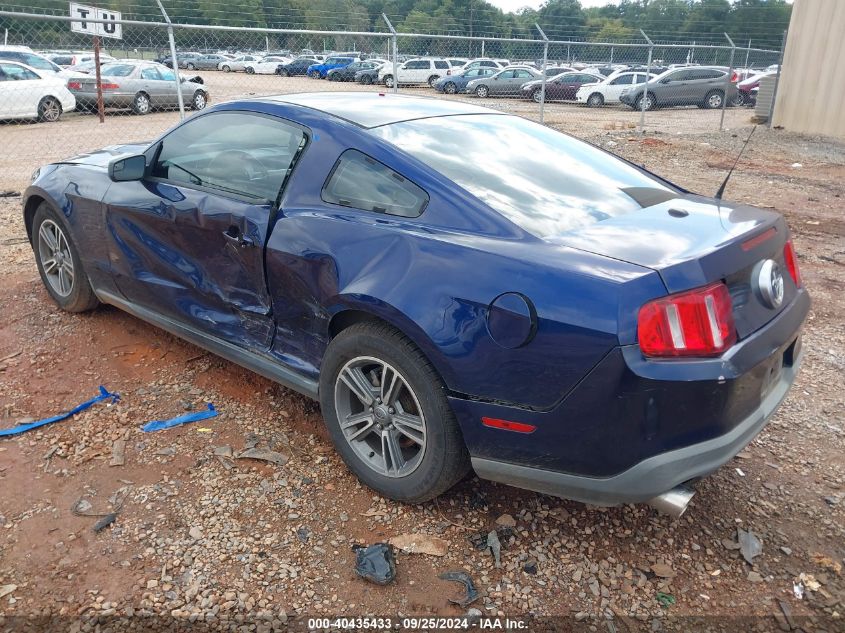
x=457, y=286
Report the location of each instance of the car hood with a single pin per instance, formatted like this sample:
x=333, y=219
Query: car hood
x=682, y=236
x=102, y=157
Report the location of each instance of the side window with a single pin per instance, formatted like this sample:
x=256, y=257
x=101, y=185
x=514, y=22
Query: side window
x=416, y=65
x=522, y=74
x=624, y=80
x=361, y=182
x=490, y=64
x=150, y=73
x=244, y=154
x=441, y=65
x=13, y=72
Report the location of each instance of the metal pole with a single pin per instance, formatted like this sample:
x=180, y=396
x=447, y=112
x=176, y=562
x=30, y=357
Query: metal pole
x=611, y=56
x=747, y=52
x=727, y=83
x=645, y=83
x=777, y=80
x=395, y=54
x=174, y=62
x=482, y=48
x=100, y=106
x=543, y=79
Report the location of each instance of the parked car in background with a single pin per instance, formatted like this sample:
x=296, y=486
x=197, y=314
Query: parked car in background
x=141, y=86
x=426, y=70
x=236, y=63
x=182, y=59
x=211, y=61
x=745, y=88
x=347, y=73
x=595, y=332
x=608, y=90
x=563, y=87
x=703, y=86
x=265, y=65
x=486, y=62
x=505, y=82
x=32, y=93
x=458, y=80
x=66, y=60
x=321, y=69
x=25, y=55
x=297, y=67
x=370, y=75
x=554, y=71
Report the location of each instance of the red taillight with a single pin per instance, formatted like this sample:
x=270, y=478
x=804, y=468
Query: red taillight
x=792, y=263
x=74, y=85
x=108, y=86
x=448, y=72
x=698, y=322
x=734, y=78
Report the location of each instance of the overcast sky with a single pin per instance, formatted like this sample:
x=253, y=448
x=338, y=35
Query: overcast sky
x=513, y=5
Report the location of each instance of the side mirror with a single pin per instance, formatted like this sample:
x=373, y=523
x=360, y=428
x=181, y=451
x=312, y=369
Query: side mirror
x=127, y=169
x=665, y=81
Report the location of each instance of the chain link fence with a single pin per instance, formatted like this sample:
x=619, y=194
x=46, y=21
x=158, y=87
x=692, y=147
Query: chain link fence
x=50, y=99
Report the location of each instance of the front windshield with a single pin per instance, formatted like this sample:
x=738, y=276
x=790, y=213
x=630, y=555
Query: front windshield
x=542, y=180
x=41, y=63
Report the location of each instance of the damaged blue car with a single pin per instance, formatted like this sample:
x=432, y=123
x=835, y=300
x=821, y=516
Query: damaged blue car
x=460, y=288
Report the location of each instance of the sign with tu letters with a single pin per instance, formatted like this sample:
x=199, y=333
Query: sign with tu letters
x=103, y=29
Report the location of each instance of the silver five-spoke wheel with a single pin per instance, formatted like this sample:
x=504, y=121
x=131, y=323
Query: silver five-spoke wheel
x=380, y=416
x=56, y=259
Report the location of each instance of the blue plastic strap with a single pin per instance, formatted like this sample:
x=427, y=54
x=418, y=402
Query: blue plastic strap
x=158, y=425
x=23, y=428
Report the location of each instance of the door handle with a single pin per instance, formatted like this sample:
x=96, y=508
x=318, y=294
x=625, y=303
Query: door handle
x=234, y=236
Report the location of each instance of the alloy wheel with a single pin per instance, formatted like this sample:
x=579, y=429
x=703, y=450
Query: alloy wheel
x=56, y=260
x=380, y=416
x=50, y=110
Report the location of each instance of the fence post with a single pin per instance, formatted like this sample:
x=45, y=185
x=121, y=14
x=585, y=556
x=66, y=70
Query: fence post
x=747, y=52
x=727, y=83
x=395, y=46
x=173, y=60
x=777, y=80
x=543, y=79
x=645, y=83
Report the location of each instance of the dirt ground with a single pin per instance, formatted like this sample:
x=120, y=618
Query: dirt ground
x=239, y=544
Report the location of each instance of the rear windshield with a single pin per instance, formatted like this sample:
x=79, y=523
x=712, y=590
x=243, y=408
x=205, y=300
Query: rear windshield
x=116, y=70
x=543, y=181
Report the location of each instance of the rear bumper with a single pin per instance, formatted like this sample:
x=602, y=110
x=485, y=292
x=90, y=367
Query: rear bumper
x=634, y=428
x=652, y=476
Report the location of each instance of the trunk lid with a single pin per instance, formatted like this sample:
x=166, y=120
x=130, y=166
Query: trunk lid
x=692, y=241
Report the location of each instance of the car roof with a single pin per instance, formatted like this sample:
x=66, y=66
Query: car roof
x=371, y=109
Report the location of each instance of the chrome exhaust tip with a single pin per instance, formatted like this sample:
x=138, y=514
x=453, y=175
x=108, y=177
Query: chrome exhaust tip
x=674, y=502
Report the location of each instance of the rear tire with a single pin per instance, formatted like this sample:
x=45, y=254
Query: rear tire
x=450, y=88
x=190, y=66
x=366, y=79
x=482, y=91
x=314, y=74
x=199, y=101
x=141, y=104
x=432, y=80
x=49, y=110
x=595, y=100
x=226, y=69
x=388, y=81
x=59, y=263
x=283, y=73
x=424, y=467
x=537, y=95
x=714, y=99
x=650, y=103
x=249, y=70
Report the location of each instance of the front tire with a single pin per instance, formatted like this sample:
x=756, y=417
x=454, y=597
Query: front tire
x=199, y=101
x=191, y=67
x=432, y=80
x=537, y=95
x=388, y=81
x=482, y=91
x=249, y=70
x=314, y=74
x=450, y=88
x=386, y=410
x=366, y=79
x=59, y=263
x=49, y=110
x=282, y=72
x=649, y=102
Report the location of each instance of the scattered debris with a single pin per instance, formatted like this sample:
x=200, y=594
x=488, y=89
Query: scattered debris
x=376, y=563
x=530, y=567
x=263, y=455
x=749, y=545
x=786, y=550
x=798, y=590
x=5, y=590
x=470, y=592
x=827, y=562
x=9, y=193
x=223, y=451
x=740, y=472
x=796, y=165
x=662, y=570
x=420, y=544
x=195, y=533
x=81, y=508
x=166, y=452
x=787, y=614
x=23, y=428
x=473, y=616
x=665, y=599
x=495, y=547
x=118, y=453
x=754, y=576
x=809, y=581
x=506, y=520
x=159, y=425
x=105, y=521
